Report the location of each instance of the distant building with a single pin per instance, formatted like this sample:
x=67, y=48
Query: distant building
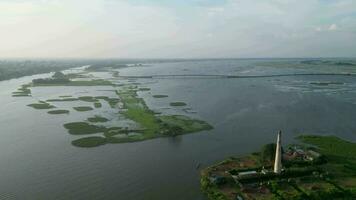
x=278, y=158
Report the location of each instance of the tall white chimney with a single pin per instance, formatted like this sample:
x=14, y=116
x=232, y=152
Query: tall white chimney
x=278, y=158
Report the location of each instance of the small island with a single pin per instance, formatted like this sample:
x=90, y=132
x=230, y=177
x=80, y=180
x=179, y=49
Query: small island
x=322, y=167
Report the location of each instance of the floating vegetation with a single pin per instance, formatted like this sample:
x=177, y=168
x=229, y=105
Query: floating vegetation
x=59, y=100
x=178, y=104
x=144, y=89
x=97, y=118
x=327, y=83
x=89, y=142
x=97, y=105
x=57, y=112
x=179, y=124
x=83, y=108
x=153, y=126
x=83, y=128
x=96, y=82
x=113, y=102
x=20, y=95
x=160, y=96
x=23, y=91
x=41, y=105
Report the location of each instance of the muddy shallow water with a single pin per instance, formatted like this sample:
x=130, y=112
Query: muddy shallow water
x=38, y=161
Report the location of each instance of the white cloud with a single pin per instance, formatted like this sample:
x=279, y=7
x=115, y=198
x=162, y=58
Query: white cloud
x=237, y=28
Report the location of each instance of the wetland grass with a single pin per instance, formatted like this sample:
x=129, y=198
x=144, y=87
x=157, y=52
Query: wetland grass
x=83, y=128
x=144, y=89
x=57, y=112
x=160, y=96
x=88, y=142
x=97, y=105
x=95, y=82
x=83, y=108
x=41, y=105
x=97, y=119
x=23, y=91
x=65, y=99
x=178, y=103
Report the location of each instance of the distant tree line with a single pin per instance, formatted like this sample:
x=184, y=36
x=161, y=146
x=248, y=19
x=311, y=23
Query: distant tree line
x=17, y=68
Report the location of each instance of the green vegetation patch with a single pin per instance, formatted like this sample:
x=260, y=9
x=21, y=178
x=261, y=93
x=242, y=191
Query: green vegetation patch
x=160, y=96
x=144, y=89
x=155, y=126
x=65, y=99
x=57, y=112
x=97, y=119
x=97, y=105
x=179, y=124
x=83, y=108
x=41, y=105
x=178, y=104
x=87, y=99
x=89, y=142
x=331, y=145
x=113, y=102
x=23, y=91
x=96, y=82
x=83, y=128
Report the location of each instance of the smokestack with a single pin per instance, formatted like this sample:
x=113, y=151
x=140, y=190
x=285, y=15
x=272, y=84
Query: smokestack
x=278, y=158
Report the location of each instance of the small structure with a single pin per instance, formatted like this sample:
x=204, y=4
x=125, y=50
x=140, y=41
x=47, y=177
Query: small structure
x=278, y=158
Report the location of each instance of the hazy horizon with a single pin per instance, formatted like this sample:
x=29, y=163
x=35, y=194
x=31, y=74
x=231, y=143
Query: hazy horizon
x=196, y=29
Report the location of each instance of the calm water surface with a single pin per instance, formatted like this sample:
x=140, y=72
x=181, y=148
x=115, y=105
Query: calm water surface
x=38, y=161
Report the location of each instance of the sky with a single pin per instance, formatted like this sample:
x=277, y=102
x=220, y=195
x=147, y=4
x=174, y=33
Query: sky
x=177, y=28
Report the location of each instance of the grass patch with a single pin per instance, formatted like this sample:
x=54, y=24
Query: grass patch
x=178, y=104
x=160, y=96
x=83, y=108
x=57, y=112
x=23, y=91
x=331, y=145
x=59, y=100
x=97, y=105
x=144, y=89
x=154, y=126
x=41, y=105
x=97, y=82
x=83, y=128
x=97, y=119
x=89, y=142
x=186, y=124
